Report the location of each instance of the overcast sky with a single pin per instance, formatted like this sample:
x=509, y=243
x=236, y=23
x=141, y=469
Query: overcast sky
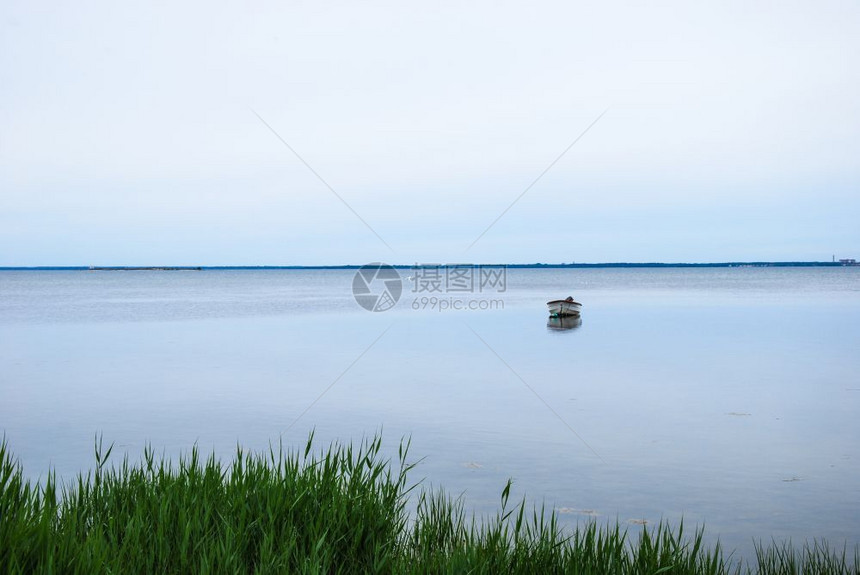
x=129, y=132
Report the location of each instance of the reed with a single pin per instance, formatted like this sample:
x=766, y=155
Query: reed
x=341, y=509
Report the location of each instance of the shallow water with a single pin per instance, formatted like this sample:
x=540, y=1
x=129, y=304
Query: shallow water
x=727, y=396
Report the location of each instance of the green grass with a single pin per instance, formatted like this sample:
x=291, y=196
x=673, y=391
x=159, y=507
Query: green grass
x=339, y=510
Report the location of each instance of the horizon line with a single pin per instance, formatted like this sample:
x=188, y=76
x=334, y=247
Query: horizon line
x=761, y=263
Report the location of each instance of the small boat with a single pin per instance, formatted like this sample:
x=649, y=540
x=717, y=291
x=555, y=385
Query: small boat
x=563, y=307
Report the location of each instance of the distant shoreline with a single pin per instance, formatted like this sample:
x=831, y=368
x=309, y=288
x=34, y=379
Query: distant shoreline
x=410, y=266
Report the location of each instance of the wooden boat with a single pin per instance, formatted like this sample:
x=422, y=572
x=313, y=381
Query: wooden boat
x=563, y=307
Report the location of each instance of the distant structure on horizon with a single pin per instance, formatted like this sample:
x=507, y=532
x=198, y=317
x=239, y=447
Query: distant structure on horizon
x=848, y=262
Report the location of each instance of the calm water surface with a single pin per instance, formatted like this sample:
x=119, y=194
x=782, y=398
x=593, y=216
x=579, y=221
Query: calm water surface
x=729, y=397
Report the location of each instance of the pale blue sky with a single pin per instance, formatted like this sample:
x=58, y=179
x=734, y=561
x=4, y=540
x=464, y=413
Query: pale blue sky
x=128, y=133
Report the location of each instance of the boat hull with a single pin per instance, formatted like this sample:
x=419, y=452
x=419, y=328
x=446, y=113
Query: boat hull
x=561, y=308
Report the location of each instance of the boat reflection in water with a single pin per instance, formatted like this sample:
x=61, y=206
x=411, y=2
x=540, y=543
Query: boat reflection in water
x=563, y=322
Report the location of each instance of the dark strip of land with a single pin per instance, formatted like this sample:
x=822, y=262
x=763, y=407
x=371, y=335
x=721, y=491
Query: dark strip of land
x=424, y=264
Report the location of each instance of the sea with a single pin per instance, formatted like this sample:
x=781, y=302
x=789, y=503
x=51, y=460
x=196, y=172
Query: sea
x=728, y=398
